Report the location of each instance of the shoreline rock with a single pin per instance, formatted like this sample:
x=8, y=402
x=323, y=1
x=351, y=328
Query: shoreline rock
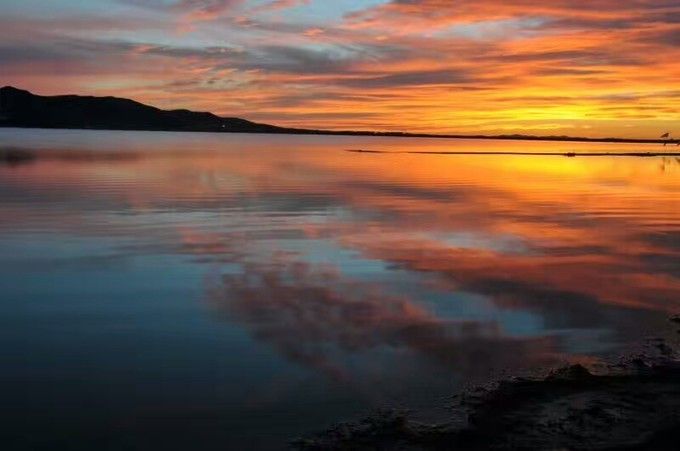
x=632, y=404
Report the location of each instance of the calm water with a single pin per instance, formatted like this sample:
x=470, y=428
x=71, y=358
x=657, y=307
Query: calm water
x=200, y=291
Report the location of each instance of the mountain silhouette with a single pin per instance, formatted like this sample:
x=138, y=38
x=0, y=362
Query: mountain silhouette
x=19, y=108
x=23, y=109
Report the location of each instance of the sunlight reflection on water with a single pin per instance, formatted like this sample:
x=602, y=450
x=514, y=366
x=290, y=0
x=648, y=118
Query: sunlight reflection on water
x=228, y=289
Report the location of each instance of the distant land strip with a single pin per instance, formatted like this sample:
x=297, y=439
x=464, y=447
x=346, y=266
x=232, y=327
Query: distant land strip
x=23, y=109
x=549, y=154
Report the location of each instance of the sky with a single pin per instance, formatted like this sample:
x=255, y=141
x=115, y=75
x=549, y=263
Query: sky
x=594, y=68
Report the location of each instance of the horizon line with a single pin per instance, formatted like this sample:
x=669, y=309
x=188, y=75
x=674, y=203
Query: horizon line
x=405, y=134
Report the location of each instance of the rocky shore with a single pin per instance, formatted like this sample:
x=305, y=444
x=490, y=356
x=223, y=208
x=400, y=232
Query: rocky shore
x=631, y=404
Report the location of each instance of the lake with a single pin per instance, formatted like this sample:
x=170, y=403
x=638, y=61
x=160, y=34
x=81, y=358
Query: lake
x=226, y=291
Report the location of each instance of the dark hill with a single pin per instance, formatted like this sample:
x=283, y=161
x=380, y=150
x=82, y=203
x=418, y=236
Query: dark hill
x=19, y=108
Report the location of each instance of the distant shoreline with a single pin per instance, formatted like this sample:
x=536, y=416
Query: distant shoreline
x=23, y=109
x=519, y=153
x=377, y=134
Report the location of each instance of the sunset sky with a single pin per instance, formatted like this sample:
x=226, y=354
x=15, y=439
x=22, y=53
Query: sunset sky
x=577, y=67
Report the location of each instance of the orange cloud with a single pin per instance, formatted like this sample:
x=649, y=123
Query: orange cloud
x=598, y=68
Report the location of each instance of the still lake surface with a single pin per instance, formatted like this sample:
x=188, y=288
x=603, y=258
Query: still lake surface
x=217, y=291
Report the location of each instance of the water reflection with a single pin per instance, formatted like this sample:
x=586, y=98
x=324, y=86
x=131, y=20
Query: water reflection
x=374, y=274
x=312, y=315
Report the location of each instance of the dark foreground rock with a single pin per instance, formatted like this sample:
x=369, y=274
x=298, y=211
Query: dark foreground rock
x=632, y=405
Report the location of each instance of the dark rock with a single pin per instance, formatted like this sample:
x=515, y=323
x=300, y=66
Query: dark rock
x=635, y=406
x=572, y=373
